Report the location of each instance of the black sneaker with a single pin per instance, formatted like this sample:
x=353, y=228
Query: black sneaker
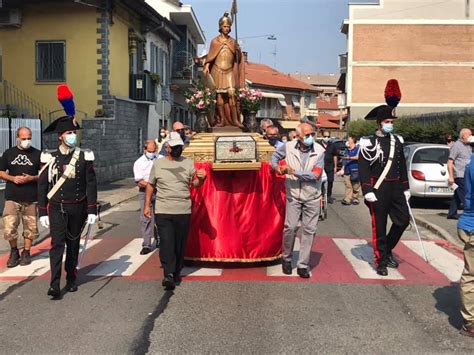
x=168, y=283
x=71, y=286
x=145, y=250
x=25, y=258
x=392, y=262
x=303, y=273
x=177, y=279
x=14, y=258
x=467, y=330
x=54, y=292
x=286, y=267
x=382, y=270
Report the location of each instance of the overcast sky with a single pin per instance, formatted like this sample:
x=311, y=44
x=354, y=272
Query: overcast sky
x=308, y=37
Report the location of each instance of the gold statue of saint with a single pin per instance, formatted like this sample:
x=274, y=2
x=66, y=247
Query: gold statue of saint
x=225, y=66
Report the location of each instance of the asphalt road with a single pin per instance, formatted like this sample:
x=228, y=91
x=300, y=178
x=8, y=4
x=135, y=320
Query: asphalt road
x=120, y=315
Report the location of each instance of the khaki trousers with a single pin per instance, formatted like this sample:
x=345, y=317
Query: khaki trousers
x=16, y=212
x=467, y=278
x=352, y=190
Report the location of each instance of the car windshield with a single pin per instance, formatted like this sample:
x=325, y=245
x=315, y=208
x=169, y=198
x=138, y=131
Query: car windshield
x=431, y=156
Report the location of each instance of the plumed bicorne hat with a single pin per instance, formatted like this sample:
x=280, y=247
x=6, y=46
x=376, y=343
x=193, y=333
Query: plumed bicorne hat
x=68, y=122
x=393, y=96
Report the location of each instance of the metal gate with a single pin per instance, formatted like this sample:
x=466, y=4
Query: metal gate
x=9, y=126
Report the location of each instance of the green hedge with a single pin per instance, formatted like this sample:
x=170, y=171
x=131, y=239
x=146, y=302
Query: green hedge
x=415, y=130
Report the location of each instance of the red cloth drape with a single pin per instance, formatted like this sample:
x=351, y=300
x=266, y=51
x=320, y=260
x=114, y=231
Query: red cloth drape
x=237, y=216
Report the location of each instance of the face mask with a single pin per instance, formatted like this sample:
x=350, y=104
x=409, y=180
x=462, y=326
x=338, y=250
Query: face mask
x=326, y=139
x=308, y=141
x=71, y=140
x=162, y=134
x=470, y=140
x=25, y=144
x=284, y=140
x=151, y=156
x=273, y=141
x=176, y=151
x=387, y=128
x=347, y=144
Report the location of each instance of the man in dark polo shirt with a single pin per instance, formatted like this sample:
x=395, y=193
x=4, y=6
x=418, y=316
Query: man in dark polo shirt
x=19, y=167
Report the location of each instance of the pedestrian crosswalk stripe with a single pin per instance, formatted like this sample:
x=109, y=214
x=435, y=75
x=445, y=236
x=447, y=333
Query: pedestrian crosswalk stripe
x=200, y=271
x=124, y=262
x=361, y=255
x=276, y=270
x=39, y=264
x=442, y=260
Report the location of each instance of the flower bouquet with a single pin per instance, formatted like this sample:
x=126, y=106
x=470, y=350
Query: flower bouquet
x=250, y=99
x=201, y=99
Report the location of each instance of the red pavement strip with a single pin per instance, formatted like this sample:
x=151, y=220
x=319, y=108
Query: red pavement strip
x=329, y=265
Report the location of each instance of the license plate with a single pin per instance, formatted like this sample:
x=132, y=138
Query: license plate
x=440, y=189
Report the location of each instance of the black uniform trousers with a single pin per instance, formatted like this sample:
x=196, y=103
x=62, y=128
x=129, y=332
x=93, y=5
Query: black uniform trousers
x=173, y=231
x=391, y=201
x=66, y=223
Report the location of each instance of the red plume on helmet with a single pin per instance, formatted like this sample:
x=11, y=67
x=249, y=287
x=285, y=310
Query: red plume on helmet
x=392, y=93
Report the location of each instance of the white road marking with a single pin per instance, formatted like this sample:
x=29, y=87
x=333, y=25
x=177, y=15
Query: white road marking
x=124, y=262
x=195, y=271
x=442, y=260
x=360, y=255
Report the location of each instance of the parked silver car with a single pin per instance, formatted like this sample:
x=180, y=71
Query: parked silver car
x=427, y=166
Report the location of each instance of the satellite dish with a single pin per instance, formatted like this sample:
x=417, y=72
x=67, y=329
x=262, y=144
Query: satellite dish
x=163, y=108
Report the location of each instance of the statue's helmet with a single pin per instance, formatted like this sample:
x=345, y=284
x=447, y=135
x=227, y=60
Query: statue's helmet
x=225, y=20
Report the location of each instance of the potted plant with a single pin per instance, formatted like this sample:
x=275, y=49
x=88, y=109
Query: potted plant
x=201, y=100
x=250, y=102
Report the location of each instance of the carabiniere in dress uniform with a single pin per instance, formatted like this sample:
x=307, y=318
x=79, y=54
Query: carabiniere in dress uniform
x=67, y=199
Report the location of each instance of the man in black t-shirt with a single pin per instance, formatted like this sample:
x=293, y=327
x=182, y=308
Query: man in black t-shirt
x=330, y=162
x=19, y=167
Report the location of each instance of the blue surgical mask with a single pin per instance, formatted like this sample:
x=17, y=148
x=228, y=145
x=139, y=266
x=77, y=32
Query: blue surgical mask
x=71, y=140
x=387, y=127
x=308, y=141
x=151, y=156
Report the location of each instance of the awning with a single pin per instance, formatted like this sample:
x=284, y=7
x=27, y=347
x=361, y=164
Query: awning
x=279, y=97
x=273, y=95
x=289, y=124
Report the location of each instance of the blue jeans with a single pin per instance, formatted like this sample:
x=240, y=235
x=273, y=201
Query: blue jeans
x=458, y=197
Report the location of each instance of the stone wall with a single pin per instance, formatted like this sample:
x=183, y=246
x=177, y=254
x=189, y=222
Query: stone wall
x=117, y=141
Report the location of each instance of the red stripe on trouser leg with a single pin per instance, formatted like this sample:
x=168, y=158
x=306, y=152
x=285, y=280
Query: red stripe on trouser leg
x=374, y=233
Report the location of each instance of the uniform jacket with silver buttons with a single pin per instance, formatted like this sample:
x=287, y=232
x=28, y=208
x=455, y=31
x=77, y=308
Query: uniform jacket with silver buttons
x=80, y=188
x=369, y=171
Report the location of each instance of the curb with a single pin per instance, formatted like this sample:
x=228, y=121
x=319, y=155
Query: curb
x=440, y=232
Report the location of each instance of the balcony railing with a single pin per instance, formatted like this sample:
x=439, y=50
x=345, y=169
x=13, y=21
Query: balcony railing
x=343, y=63
x=142, y=87
x=183, y=68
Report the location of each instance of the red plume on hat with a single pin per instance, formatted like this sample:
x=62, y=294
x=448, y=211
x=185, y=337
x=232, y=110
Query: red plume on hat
x=393, y=94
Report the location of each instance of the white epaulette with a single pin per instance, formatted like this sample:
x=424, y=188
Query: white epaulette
x=88, y=154
x=400, y=138
x=46, y=156
x=364, y=142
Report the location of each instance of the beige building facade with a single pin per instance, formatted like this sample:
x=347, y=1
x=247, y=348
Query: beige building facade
x=427, y=46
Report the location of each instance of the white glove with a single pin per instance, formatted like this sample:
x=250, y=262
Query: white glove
x=407, y=194
x=91, y=218
x=370, y=197
x=44, y=220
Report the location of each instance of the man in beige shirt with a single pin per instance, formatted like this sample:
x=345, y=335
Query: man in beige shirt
x=172, y=177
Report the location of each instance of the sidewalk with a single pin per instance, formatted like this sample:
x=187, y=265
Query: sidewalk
x=109, y=195
x=436, y=222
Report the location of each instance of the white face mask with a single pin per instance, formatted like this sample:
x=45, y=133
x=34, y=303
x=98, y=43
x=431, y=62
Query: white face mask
x=470, y=139
x=25, y=144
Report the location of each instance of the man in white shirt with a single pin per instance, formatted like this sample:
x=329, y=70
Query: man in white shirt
x=141, y=172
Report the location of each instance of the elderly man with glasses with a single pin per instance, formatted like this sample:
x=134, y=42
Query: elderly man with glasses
x=305, y=163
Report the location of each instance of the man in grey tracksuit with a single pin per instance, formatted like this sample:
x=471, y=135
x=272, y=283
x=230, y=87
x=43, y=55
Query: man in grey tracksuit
x=303, y=169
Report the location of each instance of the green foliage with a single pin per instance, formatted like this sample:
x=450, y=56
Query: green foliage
x=360, y=128
x=433, y=131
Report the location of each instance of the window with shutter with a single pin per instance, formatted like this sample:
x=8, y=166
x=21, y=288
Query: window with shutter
x=51, y=61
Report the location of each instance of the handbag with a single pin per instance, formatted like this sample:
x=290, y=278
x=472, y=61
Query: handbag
x=354, y=174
